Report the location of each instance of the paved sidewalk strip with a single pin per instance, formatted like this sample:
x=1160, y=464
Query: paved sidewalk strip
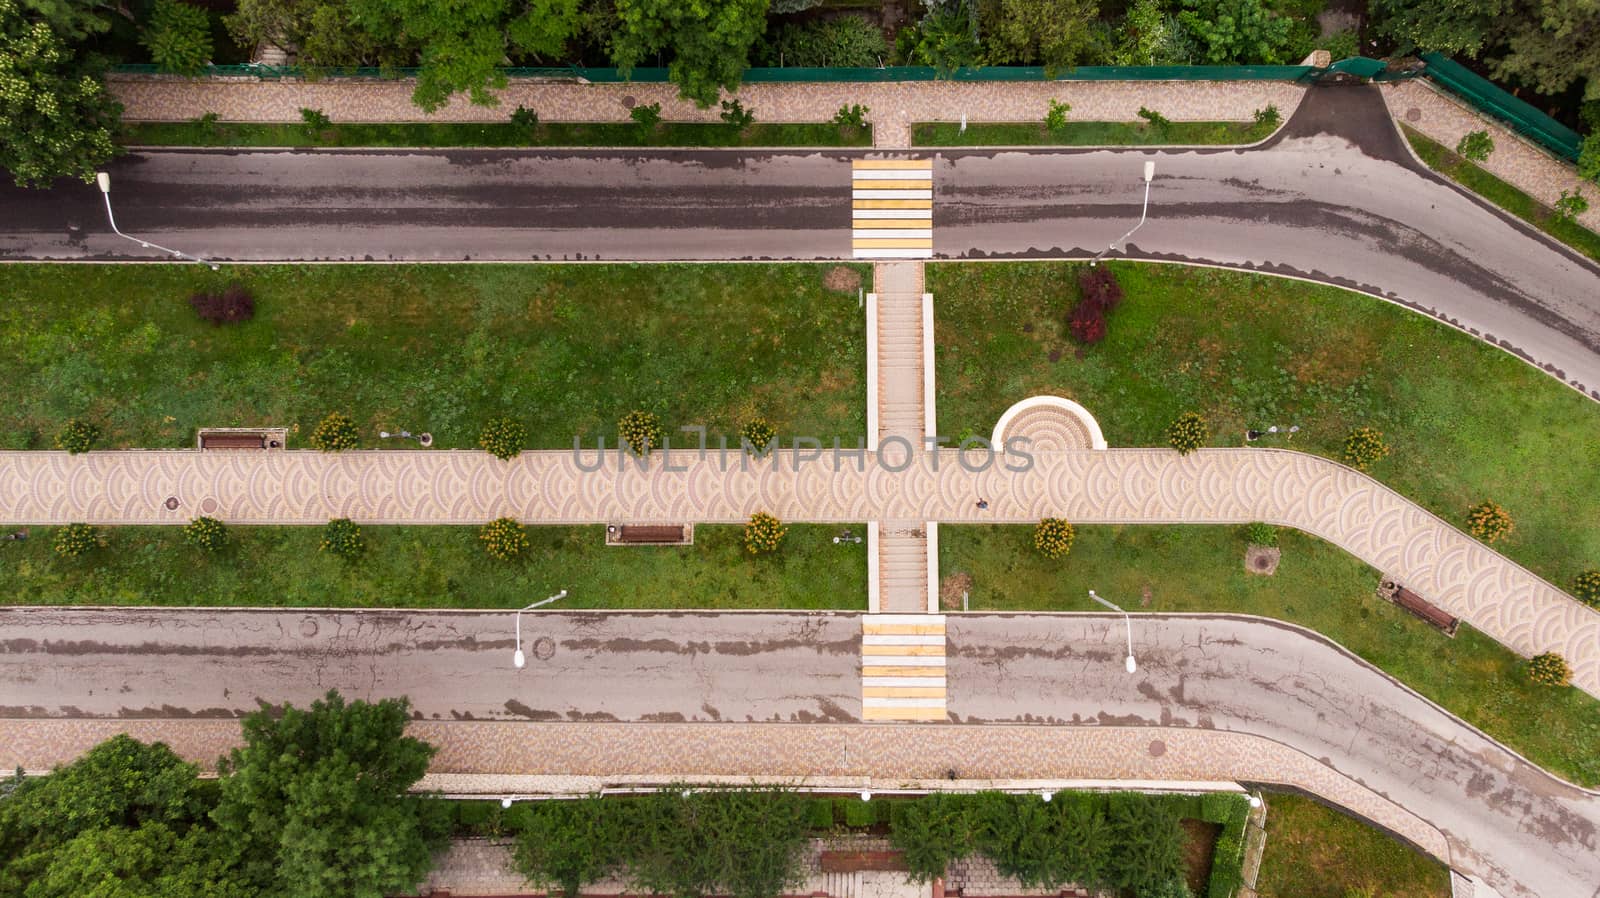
x=892, y=208
x=903, y=667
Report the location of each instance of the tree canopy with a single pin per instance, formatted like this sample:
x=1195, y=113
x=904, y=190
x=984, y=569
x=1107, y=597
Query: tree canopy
x=54, y=111
x=710, y=41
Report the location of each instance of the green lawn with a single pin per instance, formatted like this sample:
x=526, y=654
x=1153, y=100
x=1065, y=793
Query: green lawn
x=1078, y=134
x=1316, y=852
x=566, y=349
x=499, y=134
x=439, y=567
x=1471, y=176
x=1319, y=586
x=1466, y=422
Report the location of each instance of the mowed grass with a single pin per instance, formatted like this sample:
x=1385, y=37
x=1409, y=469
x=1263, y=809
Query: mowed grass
x=492, y=134
x=565, y=349
x=1317, y=585
x=1478, y=180
x=1314, y=851
x=438, y=567
x=1465, y=421
x=1082, y=134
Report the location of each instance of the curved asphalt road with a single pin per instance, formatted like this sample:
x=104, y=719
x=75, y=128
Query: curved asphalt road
x=1507, y=821
x=1334, y=197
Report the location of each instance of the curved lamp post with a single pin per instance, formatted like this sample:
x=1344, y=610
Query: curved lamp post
x=104, y=180
x=1130, y=664
x=1149, y=172
x=519, y=659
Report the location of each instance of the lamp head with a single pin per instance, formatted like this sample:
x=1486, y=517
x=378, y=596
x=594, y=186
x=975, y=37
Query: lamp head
x=1130, y=664
x=1255, y=801
x=505, y=802
x=866, y=796
x=1046, y=794
x=519, y=659
x=1149, y=170
x=104, y=180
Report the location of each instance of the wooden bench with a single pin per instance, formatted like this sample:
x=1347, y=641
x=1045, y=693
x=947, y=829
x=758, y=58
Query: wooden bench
x=233, y=441
x=1426, y=610
x=835, y=861
x=647, y=534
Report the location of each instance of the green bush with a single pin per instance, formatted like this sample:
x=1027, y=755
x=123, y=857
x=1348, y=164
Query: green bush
x=849, y=41
x=932, y=831
x=342, y=537
x=76, y=539
x=314, y=122
x=735, y=116
x=1154, y=118
x=335, y=433
x=1475, y=145
x=77, y=437
x=1257, y=533
x=1056, y=118
x=641, y=432
x=648, y=116
x=503, y=438
x=1570, y=205
x=764, y=534
x=504, y=539
x=1549, y=669
x=477, y=818
x=1342, y=45
x=852, y=115
x=1269, y=117
x=756, y=435
x=1053, y=537
x=1188, y=433
x=1363, y=447
x=206, y=534
x=819, y=813
x=1489, y=522
x=524, y=118
x=1586, y=587
x=858, y=814
x=178, y=37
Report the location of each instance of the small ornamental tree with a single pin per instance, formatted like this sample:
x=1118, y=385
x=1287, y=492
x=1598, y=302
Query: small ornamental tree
x=1087, y=323
x=206, y=534
x=178, y=37
x=335, y=433
x=851, y=115
x=648, y=115
x=1188, y=433
x=1489, y=522
x=1056, y=118
x=641, y=432
x=1549, y=669
x=758, y=434
x=77, y=437
x=1258, y=533
x=504, y=539
x=1053, y=537
x=735, y=116
x=1363, y=447
x=1571, y=205
x=342, y=537
x=1154, y=118
x=1586, y=586
x=76, y=539
x=1475, y=145
x=1269, y=117
x=1099, y=287
x=764, y=534
x=503, y=438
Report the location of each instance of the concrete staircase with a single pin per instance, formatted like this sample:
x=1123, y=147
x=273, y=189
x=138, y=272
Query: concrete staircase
x=902, y=567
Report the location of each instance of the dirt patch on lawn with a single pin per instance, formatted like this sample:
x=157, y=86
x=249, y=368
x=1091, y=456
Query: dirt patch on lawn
x=951, y=589
x=840, y=279
x=1199, y=846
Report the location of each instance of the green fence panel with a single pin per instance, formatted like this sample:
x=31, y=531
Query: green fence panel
x=1359, y=66
x=1485, y=96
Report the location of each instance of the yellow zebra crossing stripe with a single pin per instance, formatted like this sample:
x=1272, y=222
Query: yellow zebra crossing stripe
x=903, y=667
x=887, y=195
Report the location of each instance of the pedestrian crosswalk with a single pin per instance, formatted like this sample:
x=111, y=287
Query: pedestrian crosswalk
x=902, y=667
x=892, y=208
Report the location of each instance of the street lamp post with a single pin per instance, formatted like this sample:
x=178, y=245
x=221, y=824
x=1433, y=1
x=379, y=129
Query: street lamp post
x=424, y=439
x=1130, y=664
x=1149, y=172
x=519, y=659
x=104, y=180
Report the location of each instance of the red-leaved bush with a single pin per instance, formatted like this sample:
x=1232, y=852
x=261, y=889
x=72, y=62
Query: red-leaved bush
x=1087, y=324
x=1099, y=287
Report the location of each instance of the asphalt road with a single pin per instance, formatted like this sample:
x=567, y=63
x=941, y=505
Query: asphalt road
x=1507, y=821
x=1333, y=197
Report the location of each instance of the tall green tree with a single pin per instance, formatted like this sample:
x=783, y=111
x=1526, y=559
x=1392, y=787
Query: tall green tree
x=1245, y=32
x=73, y=20
x=55, y=116
x=947, y=37
x=932, y=831
x=1056, y=34
x=1149, y=843
x=324, y=33
x=569, y=844
x=1550, y=44
x=1459, y=27
x=316, y=803
x=709, y=41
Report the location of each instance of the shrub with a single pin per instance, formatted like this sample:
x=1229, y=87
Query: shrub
x=335, y=433
x=1489, y=522
x=206, y=534
x=1586, y=586
x=1549, y=669
x=1087, y=323
x=1269, y=117
x=851, y=116
x=1053, y=537
x=178, y=37
x=819, y=813
x=858, y=813
x=1154, y=118
x=1257, y=533
x=1363, y=447
x=1188, y=433
x=342, y=537
x=503, y=438
x=504, y=539
x=1475, y=145
x=524, y=118
x=1099, y=286
x=1056, y=118
x=758, y=434
x=648, y=116
x=314, y=122
x=736, y=116
x=234, y=304
x=75, y=539
x=1570, y=205
x=77, y=437
x=764, y=534
x=847, y=41
x=641, y=431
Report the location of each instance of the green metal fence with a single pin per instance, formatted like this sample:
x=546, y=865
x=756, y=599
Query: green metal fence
x=1486, y=97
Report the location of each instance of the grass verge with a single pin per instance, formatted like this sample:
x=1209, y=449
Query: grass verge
x=438, y=567
x=1465, y=421
x=566, y=349
x=1317, y=585
x=1316, y=852
x=1469, y=175
x=495, y=134
x=1083, y=134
